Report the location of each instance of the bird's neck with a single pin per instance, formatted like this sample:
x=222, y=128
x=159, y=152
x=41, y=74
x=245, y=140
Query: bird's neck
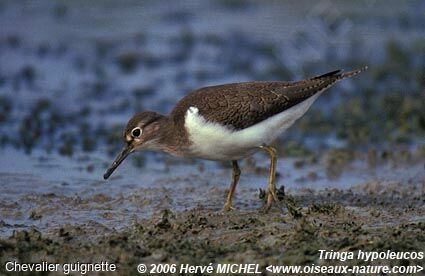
x=172, y=137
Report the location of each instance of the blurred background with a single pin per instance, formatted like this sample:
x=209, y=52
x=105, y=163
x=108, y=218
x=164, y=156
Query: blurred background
x=73, y=72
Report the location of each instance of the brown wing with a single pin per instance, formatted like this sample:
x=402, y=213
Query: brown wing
x=241, y=105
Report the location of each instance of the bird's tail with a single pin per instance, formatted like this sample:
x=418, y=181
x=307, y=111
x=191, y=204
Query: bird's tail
x=351, y=73
x=339, y=74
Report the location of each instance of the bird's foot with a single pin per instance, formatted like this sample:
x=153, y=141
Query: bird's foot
x=278, y=199
x=265, y=208
x=227, y=208
x=270, y=199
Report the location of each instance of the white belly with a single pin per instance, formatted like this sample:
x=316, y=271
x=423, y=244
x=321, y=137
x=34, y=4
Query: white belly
x=213, y=141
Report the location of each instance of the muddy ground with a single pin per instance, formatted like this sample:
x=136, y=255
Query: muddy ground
x=179, y=220
x=353, y=166
x=336, y=220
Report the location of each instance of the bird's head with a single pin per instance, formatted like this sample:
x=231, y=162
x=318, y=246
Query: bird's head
x=141, y=132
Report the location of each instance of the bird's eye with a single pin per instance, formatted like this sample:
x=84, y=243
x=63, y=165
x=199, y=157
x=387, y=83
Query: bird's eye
x=136, y=132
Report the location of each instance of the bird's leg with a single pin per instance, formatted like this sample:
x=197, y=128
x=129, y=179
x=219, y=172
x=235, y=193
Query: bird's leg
x=235, y=178
x=271, y=196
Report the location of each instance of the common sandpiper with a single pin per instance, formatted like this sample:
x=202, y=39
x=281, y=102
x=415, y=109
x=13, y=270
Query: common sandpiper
x=227, y=122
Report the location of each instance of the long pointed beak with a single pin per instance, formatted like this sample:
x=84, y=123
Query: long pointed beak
x=124, y=153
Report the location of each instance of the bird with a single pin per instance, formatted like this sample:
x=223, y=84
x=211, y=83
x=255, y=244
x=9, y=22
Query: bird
x=228, y=122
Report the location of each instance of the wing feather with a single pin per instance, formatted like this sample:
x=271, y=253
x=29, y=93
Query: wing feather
x=241, y=105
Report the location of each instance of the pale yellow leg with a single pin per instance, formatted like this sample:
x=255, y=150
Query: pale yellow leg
x=271, y=196
x=235, y=178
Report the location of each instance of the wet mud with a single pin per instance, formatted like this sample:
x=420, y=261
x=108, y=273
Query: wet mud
x=353, y=167
x=202, y=236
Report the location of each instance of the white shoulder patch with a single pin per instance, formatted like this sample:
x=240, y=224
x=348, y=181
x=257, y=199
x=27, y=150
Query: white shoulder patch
x=193, y=110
